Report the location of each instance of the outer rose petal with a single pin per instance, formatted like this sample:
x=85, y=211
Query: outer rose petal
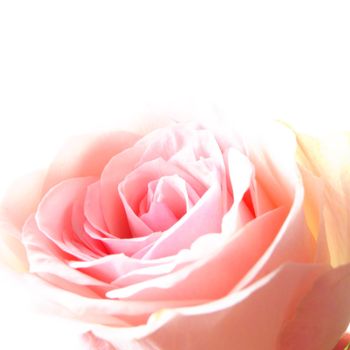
x=12, y=253
x=329, y=159
x=311, y=328
x=87, y=155
x=19, y=202
x=250, y=319
x=22, y=199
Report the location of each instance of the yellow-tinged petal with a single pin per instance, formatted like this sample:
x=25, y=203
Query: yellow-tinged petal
x=12, y=253
x=17, y=204
x=328, y=157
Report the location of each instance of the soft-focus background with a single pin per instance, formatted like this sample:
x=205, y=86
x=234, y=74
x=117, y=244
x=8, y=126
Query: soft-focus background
x=68, y=67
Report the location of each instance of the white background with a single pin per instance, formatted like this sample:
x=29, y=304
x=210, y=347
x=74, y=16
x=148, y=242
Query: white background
x=68, y=67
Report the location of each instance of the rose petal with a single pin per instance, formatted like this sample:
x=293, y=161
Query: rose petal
x=213, y=274
x=93, y=210
x=101, y=311
x=127, y=246
x=240, y=178
x=22, y=199
x=135, y=185
x=294, y=242
x=313, y=208
x=249, y=319
x=204, y=217
x=47, y=260
x=111, y=267
x=328, y=158
x=12, y=251
x=54, y=216
x=113, y=173
x=272, y=151
x=87, y=155
x=160, y=143
x=310, y=328
x=78, y=220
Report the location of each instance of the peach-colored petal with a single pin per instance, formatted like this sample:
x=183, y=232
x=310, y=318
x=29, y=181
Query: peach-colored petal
x=116, y=313
x=328, y=158
x=294, y=242
x=87, y=155
x=272, y=151
x=249, y=319
x=22, y=199
x=313, y=207
x=322, y=316
x=12, y=252
x=18, y=203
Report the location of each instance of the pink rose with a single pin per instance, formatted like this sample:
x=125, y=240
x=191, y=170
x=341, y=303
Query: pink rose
x=189, y=238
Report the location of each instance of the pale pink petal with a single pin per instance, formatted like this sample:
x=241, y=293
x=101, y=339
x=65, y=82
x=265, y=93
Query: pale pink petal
x=137, y=227
x=113, y=173
x=241, y=173
x=54, y=215
x=176, y=193
x=204, y=217
x=149, y=148
x=48, y=261
x=159, y=217
x=78, y=220
x=93, y=210
x=145, y=273
x=111, y=267
x=135, y=186
x=181, y=142
x=127, y=246
x=215, y=272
